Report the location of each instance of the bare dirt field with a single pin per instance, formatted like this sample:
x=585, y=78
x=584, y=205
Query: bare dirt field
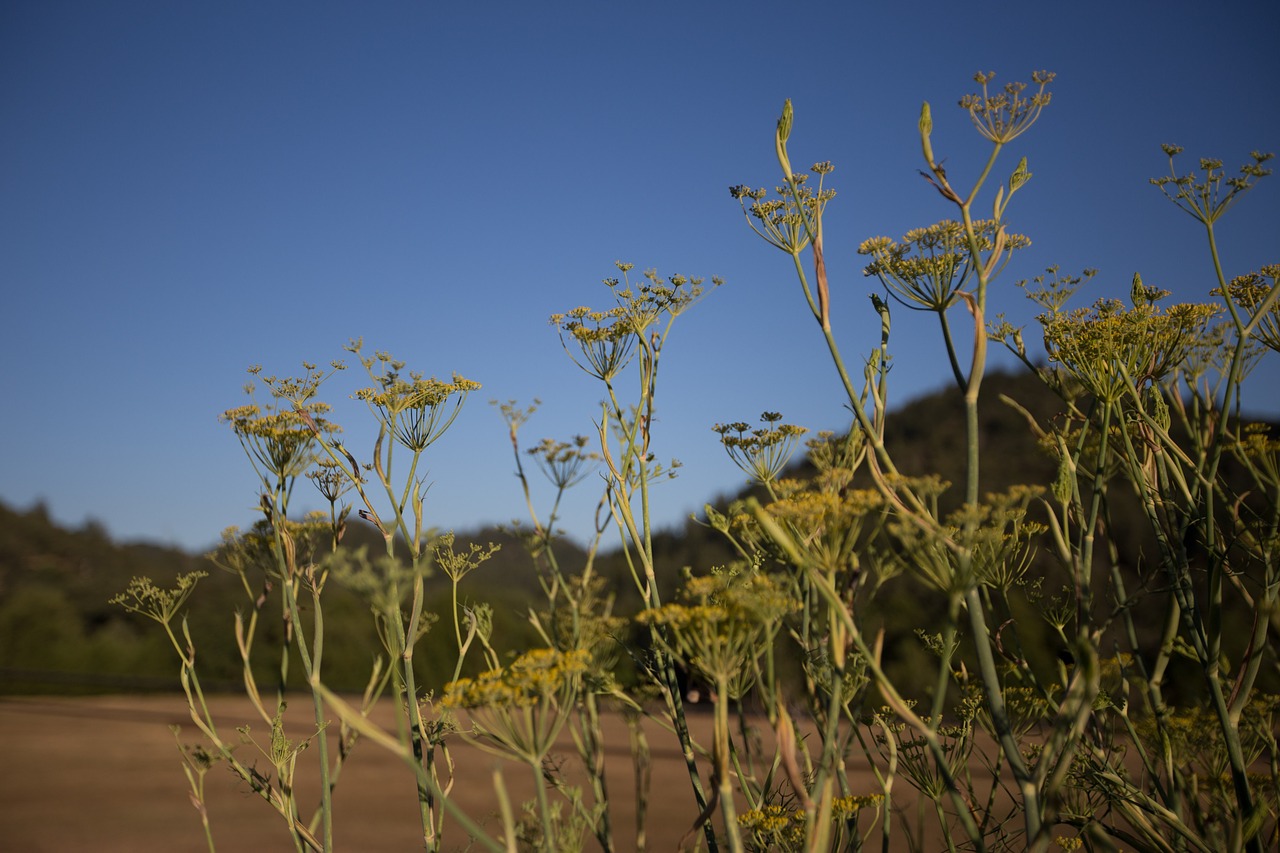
x=104, y=774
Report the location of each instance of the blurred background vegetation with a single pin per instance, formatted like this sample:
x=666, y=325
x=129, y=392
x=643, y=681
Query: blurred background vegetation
x=59, y=634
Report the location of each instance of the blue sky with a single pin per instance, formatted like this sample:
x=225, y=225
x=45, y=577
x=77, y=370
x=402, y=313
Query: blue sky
x=187, y=189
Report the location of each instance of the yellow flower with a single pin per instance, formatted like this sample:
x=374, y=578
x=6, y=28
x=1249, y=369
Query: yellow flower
x=1110, y=349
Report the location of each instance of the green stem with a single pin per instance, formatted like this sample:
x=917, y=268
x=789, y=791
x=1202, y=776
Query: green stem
x=961, y=382
x=724, y=778
x=1024, y=778
x=949, y=644
x=901, y=707
x=593, y=753
x=549, y=840
x=635, y=464
x=322, y=736
x=311, y=666
x=1089, y=529
x=422, y=749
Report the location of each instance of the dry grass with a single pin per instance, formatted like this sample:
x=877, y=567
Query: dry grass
x=102, y=773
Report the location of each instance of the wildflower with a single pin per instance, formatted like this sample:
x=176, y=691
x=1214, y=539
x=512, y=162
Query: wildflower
x=1109, y=348
x=789, y=221
x=720, y=624
x=457, y=565
x=565, y=463
x=1002, y=116
x=608, y=339
x=1052, y=290
x=519, y=710
x=774, y=827
x=835, y=524
x=536, y=676
x=281, y=441
x=143, y=597
x=1207, y=198
x=1258, y=299
x=846, y=807
x=416, y=411
x=330, y=479
x=926, y=271
x=760, y=453
x=279, y=435
x=605, y=338
x=994, y=537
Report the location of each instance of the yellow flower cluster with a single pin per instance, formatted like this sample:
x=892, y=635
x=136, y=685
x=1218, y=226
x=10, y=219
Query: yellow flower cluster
x=533, y=677
x=722, y=624
x=417, y=410
x=835, y=524
x=1109, y=348
x=927, y=269
x=787, y=222
x=778, y=825
x=775, y=824
x=814, y=512
x=279, y=436
x=843, y=807
x=397, y=395
x=608, y=338
x=1252, y=292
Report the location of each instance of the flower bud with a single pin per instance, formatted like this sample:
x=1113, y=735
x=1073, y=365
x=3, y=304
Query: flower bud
x=1019, y=177
x=926, y=129
x=718, y=520
x=1157, y=407
x=1063, y=483
x=784, y=123
x=1137, y=292
x=780, y=140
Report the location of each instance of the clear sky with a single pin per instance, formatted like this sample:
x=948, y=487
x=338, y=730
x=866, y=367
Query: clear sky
x=187, y=189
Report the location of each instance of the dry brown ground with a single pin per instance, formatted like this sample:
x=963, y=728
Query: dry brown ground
x=103, y=774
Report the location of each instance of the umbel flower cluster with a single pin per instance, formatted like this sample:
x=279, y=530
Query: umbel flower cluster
x=608, y=339
x=417, y=410
x=537, y=676
x=1110, y=347
x=927, y=270
x=761, y=453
